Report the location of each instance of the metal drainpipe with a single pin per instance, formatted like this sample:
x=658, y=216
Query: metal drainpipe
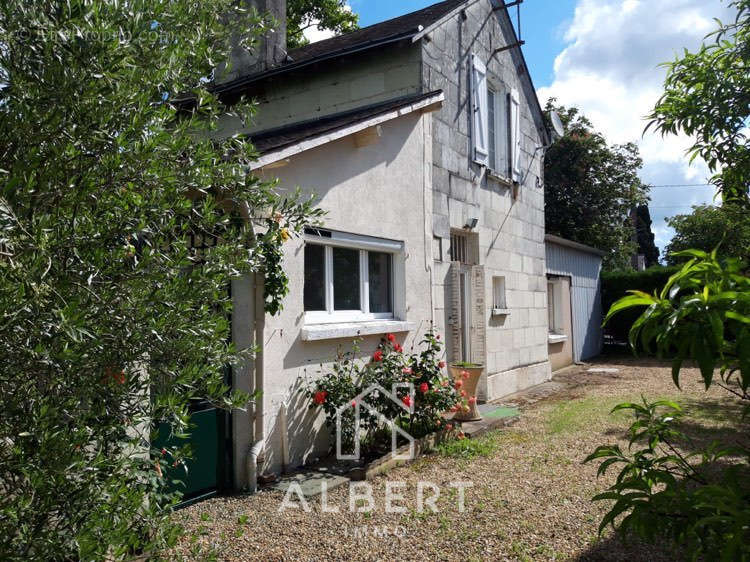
x=255, y=454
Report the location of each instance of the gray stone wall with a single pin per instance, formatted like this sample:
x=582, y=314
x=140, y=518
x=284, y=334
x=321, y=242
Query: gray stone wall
x=511, y=228
x=333, y=87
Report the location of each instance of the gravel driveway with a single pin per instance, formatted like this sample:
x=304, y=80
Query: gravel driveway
x=529, y=500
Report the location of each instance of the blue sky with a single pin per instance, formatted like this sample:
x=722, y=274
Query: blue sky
x=603, y=56
x=544, y=20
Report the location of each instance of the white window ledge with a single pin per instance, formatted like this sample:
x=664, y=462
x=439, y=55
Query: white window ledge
x=556, y=338
x=500, y=312
x=315, y=332
x=495, y=176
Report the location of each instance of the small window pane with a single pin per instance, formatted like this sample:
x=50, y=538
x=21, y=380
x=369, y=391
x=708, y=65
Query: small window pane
x=491, y=129
x=346, y=279
x=315, y=292
x=380, y=282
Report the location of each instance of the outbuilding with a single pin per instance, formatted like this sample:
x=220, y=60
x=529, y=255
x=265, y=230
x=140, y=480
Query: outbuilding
x=574, y=301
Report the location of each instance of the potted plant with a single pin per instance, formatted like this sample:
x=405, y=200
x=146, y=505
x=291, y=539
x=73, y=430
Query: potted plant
x=466, y=377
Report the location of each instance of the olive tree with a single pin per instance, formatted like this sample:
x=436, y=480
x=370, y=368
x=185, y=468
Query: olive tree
x=123, y=219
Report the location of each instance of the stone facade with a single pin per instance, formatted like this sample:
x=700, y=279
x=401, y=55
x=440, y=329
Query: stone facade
x=510, y=228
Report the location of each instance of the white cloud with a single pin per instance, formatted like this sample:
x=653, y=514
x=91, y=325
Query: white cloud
x=313, y=34
x=610, y=70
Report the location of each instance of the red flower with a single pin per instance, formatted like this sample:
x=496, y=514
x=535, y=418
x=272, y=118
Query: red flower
x=448, y=426
x=397, y=348
x=441, y=364
x=458, y=384
x=461, y=435
x=391, y=338
x=354, y=403
x=464, y=374
x=438, y=336
x=163, y=451
x=472, y=400
x=407, y=401
x=463, y=393
x=424, y=387
x=320, y=397
x=444, y=382
x=454, y=408
x=377, y=356
x=407, y=370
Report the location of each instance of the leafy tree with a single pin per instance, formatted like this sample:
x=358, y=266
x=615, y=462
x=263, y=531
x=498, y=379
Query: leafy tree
x=707, y=96
x=726, y=227
x=591, y=187
x=332, y=15
x=700, y=498
x=121, y=225
x=645, y=236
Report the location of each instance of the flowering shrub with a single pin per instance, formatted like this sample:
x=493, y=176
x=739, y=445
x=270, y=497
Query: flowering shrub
x=422, y=387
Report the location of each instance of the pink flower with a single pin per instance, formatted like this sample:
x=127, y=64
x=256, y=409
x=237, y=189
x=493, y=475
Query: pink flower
x=438, y=422
x=454, y=408
x=448, y=426
x=407, y=401
x=441, y=365
x=163, y=451
x=424, y=387
x=458, y=384
x=444, y=382
x=354, y=403
x=320, y=397
x=463, y=393
x=461, y=435
x=391, y=338
x=465, y=374
x=377, y=356
x=407, y=370
x=472, y=400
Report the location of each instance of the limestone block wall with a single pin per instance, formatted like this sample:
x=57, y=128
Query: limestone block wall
x=331, y=87
x=510, y=228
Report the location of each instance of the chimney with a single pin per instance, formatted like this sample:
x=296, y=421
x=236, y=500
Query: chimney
x=269, y=49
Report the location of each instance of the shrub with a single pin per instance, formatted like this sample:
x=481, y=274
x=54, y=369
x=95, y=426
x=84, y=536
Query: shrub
x=616, y=284
x=666, y=488
x=418, y=379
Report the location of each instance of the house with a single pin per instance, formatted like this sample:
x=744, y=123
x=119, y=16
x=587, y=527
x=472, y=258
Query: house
x=422, y=138
x=574, y=301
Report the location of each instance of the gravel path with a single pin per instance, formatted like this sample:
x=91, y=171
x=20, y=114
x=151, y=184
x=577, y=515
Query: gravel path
x=530, y=498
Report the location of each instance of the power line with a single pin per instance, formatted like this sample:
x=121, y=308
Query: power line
x=682, y=185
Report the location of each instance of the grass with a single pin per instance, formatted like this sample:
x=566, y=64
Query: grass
x=467, y=449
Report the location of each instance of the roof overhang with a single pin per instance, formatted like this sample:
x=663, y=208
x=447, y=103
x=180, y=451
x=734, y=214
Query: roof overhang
x=426, y=104
x=551, y=238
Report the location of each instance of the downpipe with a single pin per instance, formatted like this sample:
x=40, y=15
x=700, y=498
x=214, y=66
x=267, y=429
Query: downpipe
x=254, y=455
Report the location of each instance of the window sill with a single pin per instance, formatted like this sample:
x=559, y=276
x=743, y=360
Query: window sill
x=316, y=332
x=500, y=312
x=494, y=176
x=556, y=338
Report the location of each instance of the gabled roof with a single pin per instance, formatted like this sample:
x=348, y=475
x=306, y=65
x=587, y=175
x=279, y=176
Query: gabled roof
x=408, y=26
x=282, y=142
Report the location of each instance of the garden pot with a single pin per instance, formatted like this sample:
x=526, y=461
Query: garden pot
x=470, y=386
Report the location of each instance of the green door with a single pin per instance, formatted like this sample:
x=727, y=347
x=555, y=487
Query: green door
x=207, y=472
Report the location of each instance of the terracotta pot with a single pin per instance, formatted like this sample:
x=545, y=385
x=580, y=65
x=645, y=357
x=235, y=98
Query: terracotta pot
x=470, y=386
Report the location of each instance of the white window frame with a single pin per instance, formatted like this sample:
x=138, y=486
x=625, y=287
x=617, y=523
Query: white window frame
x=498, y=292
x=555, y=306
x=364, y=244
x=499, y=162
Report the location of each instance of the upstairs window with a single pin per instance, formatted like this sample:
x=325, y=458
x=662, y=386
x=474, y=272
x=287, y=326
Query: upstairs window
x=348, y=277
x=498, y=133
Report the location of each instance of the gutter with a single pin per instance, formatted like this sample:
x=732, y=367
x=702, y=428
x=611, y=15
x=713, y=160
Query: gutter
x=575, y=245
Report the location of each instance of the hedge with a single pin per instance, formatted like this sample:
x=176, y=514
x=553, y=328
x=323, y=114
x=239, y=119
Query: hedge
x=615, y=285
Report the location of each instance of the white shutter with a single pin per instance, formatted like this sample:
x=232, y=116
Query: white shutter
x=478, y=315
x=479, y=110
x=453, y=305
x=515, y=134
